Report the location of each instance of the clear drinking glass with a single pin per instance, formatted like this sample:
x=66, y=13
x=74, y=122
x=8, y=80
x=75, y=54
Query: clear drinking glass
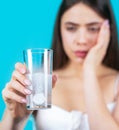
x=39, y=63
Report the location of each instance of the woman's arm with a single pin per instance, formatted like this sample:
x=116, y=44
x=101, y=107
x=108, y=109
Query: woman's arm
x=116, y=110
x=99, y=116
x=10, y=122
x=14, y=95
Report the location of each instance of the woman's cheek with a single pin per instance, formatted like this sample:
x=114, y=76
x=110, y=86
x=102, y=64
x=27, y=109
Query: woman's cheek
x=92, y=40
x=67, y=38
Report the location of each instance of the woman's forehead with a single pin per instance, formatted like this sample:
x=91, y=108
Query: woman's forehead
x=81, y=13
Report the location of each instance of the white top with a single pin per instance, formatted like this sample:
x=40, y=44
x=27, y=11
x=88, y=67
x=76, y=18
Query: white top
x=57, y=118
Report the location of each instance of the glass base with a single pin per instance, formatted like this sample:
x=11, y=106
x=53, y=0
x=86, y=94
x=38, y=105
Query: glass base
x=38, y=107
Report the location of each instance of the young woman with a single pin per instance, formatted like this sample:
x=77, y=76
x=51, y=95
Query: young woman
x=85, y=92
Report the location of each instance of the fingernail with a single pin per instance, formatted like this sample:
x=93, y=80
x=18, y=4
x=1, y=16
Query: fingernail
x=23, y=100
x=23, y=71
x=106, y=23
x=55, y=77
x=27, y=82
x=27, y=91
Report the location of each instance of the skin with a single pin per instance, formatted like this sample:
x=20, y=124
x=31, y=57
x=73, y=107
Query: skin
x=90, y=82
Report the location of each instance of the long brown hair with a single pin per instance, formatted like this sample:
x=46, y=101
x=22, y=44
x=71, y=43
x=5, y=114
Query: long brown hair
x=104, y=9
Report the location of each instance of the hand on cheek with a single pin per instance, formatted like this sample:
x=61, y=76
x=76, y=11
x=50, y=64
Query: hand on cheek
x=104, y=36
x=97, y=53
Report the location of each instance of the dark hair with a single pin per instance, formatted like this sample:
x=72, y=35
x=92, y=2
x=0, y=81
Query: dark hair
x=104, y=9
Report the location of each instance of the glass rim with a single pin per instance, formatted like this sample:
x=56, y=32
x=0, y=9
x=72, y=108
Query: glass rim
x=38, y=50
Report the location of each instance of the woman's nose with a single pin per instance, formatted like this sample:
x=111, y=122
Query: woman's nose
x=81, y=37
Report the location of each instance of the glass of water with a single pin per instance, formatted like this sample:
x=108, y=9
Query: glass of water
x=39, y=63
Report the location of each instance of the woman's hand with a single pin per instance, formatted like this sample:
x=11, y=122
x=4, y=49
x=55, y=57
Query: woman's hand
x=97, y=53
x=14, y=94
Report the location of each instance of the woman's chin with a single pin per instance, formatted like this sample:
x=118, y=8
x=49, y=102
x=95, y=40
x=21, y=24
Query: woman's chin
x=79, y=60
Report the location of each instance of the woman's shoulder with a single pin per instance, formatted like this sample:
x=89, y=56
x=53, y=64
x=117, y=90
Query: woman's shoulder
x=109, y=77
x=110, y=72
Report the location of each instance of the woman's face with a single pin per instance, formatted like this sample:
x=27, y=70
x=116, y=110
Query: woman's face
x=80, y=26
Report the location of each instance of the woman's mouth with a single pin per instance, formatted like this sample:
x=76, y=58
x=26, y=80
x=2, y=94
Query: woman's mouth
x=81, y=54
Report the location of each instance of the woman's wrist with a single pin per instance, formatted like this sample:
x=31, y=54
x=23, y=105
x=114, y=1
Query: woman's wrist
x=88, y=71
x=14, y=122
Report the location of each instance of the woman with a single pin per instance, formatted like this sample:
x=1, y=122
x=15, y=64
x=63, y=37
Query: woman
x=86, y=61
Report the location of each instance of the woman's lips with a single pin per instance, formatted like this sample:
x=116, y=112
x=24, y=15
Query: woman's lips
x=81, y=54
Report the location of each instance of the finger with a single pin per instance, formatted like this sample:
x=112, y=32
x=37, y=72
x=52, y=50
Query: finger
x=15, y=85
x=10, y=95
x=104, y=36
x=54, y=79
x=20, y=67
x=107, y=36
x=21, y=78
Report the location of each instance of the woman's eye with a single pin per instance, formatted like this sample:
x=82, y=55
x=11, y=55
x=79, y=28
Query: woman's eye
x=94, y=29
x=71, y=28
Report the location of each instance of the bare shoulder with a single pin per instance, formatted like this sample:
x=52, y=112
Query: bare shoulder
x=109, y=73
x=109, y=77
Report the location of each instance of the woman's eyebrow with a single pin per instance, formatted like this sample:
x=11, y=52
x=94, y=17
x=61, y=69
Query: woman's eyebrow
x=87, y=24
x=93, y=23
x=71, y=23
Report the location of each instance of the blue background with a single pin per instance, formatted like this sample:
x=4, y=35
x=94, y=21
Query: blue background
x=26, y=24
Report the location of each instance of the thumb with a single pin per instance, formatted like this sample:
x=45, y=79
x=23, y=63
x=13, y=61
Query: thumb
x=54, y=79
